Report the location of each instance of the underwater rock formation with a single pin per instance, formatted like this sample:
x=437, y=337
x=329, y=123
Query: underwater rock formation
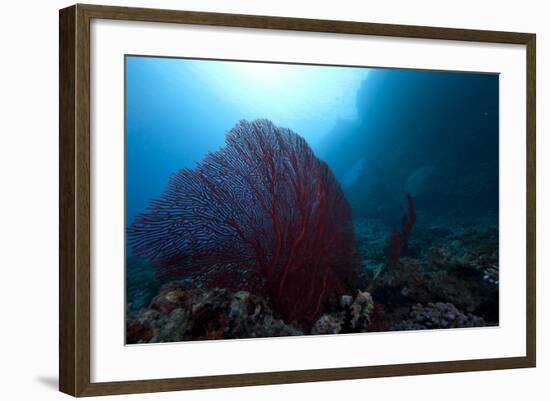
x=414, y=281
x=262, y=214
x=438, y=316
x=399, y=237
x=182, y=312
x=426, y=136
x=473, y=249
x=443, y=264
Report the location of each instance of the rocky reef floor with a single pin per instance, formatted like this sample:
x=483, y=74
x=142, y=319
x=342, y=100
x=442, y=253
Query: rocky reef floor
x=447, y=278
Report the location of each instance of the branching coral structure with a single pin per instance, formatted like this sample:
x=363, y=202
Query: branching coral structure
x=261, y=214
x=399, y=238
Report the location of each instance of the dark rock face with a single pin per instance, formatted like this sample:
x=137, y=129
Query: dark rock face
x=180, y=312
x=444, y=152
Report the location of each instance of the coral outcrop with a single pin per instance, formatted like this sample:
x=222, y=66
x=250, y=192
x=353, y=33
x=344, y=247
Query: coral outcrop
x=472, y=249
x=182, y=312
x=351, y=316
x=438, y=315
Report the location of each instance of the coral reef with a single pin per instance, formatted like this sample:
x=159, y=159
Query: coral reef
x=438, y=315
x=183, y=312
x=351, y=316
x=378, y=321
x=442, y=264
x=415, y=281
x=262, y=214
x=439, y=284
x=328, y=324
x=471, y=249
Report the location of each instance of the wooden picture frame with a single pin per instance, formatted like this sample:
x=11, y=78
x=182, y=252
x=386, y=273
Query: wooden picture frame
x=74, y=204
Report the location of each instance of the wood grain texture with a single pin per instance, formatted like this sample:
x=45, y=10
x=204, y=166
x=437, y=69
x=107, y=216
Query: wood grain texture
x=74, y=199
x=82, y=199
x=74, y=205
x=531, y=228
x=302, y=376
x=67, y=130
x=301, y=24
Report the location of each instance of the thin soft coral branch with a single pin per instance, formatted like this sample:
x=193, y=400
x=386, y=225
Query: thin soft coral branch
x=399, y=238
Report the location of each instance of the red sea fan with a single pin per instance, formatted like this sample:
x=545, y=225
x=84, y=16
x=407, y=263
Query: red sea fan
x=261, y=214
x=399, y=238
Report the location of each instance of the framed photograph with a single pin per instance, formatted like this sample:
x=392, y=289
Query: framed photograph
x=250, y=200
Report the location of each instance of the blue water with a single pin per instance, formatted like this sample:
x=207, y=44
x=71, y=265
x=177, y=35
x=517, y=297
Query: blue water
x=177, y=110
x=383, y=132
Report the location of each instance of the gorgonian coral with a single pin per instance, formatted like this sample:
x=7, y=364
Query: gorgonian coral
x=399, y=238
x=261, y=214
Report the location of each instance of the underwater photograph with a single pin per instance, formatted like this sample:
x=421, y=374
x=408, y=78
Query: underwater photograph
x=268, y=199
